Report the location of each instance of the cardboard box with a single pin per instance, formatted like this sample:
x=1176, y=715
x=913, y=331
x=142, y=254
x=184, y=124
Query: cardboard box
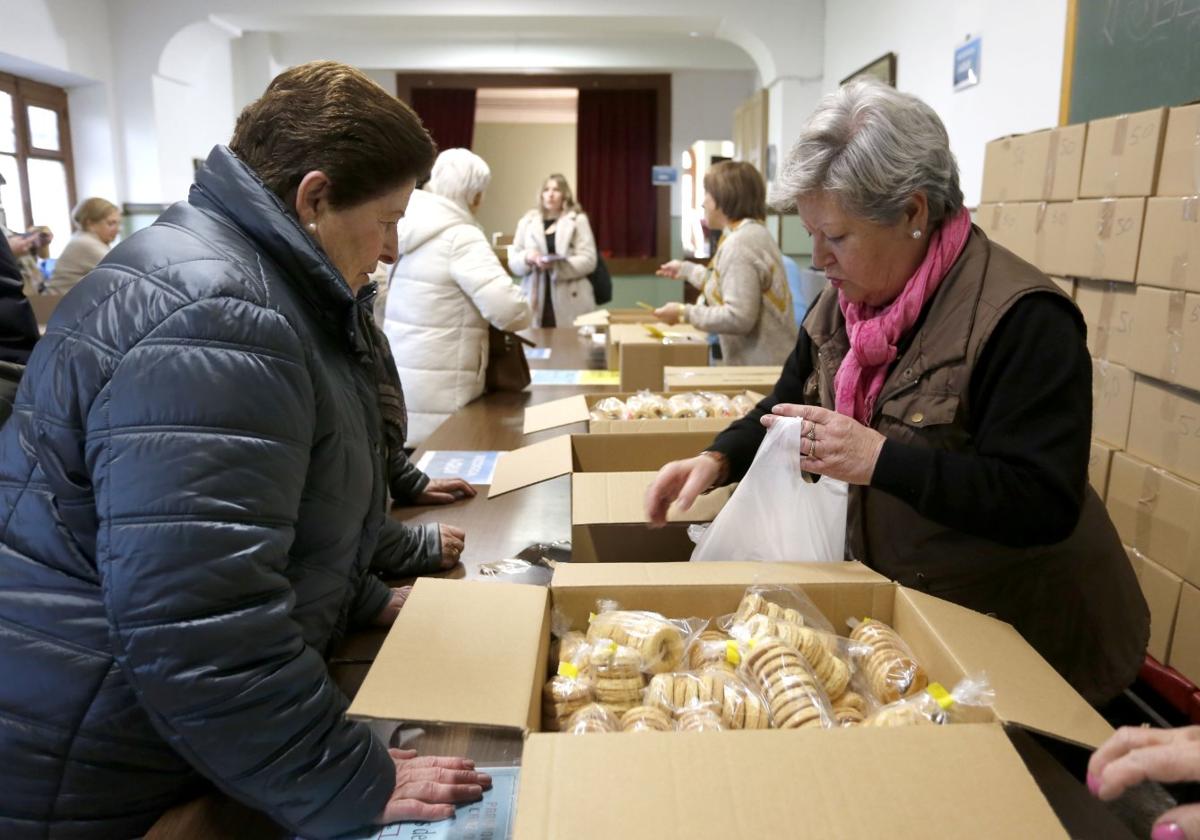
x=1170, y=252
x=1185, y=643
x=1039, y=166
x=1103, y=238
x=1099, y=461
x=1157, y=513
x=1108, y=309
x=1164, y=427
x=577, y=409
x=1013, y=225
x=1066, y=284
x=434, y=670
x=1052, y=229
x=601, y=318
x=609, y=478
x=1161, y=589
x=760, y=378
x=641, y=351
x=1121, y=155
x=1180, y=171
x=1167, y=335
x=1112, y=402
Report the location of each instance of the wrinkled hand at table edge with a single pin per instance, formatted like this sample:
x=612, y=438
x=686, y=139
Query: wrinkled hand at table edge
x=428, y=788
x=445, y=491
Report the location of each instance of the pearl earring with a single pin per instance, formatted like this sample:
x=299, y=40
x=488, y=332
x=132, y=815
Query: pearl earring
x=916, y=234
x=312, y=226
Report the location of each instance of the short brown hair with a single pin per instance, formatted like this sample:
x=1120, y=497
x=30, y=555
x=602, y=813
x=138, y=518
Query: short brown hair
x=328, y=116
x=92, y=210
x=737, y=189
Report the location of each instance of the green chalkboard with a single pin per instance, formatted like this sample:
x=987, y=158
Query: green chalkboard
x=1131, y=55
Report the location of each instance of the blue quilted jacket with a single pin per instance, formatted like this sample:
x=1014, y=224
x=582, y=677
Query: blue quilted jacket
x=191, y=488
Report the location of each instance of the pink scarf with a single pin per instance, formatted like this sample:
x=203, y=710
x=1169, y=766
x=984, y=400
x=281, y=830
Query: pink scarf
x=874, y=331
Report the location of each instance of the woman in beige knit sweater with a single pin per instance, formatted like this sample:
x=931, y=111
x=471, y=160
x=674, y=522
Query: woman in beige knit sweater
x=97, y=223
x=745, y=299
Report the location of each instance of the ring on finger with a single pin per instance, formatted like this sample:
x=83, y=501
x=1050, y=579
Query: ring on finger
x=812, y=432
x=812, y=448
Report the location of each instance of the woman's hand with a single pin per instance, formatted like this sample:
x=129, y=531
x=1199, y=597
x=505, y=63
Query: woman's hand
x=672, y=269
x=682, y=481
x=834, y=444
x=429, y=787
x=1133, y=755
x=671, y=313
x=387, y=616
x=443, y=491
x=453, y=542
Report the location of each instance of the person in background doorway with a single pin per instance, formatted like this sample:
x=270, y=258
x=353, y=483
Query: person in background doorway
x=948, y=383
x=97, y=222
x=553, y=252
x=192, y=489
x=445, y=290
x=746, y=300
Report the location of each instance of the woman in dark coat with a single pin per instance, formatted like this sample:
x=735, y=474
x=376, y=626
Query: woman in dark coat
x=192, y=486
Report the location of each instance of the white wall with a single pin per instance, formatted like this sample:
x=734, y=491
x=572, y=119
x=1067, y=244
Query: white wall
x=1020, y=67
x=520, y=156
x=702, y=106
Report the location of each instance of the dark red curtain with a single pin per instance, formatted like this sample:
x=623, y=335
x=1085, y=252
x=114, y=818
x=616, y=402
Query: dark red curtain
x=615, y=150
x=448, y=113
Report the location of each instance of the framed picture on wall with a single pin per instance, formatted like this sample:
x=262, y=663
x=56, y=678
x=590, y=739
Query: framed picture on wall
x=882, y=68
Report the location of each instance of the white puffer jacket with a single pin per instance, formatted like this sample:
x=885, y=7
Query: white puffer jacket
x=445, y=290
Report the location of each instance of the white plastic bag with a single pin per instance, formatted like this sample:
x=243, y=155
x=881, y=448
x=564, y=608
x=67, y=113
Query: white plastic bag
x=774, y=514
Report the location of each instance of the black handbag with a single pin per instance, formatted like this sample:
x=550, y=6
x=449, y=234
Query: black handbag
x=507, y=369
x=601, y=281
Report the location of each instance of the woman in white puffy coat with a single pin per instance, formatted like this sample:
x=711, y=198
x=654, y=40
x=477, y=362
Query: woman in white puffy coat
x=444, y=291
x=553, y=251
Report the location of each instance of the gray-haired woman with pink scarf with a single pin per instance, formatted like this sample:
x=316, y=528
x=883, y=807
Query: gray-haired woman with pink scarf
x=948, y=382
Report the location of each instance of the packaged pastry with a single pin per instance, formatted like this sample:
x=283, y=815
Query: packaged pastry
x=660, y=642
x=743, y=404
x=970, y=700
x=787, y=603
x=592, y=718
x=719, y=405
x=647, y=406
x=890, y=668
x=793, y=692
x=687, y=405
x=646, y=719
x=617, y=680
x=610, y=408
x=713, y=649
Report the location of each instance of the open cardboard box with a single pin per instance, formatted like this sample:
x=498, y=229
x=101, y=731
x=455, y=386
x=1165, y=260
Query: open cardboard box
x=485, y=667
x=609, y=477
x=601, y=318
x=730, y=377
x=577, y=409
x=641, y=351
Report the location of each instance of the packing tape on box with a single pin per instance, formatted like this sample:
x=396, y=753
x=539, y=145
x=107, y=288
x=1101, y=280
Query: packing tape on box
x=1179, y=264
x=1039, y=238
x=1108, y=303
x=1120, y=134
x=1176, y=302
x=1104, y=229
x=1051, y=167
x=1169, y=414
x=1146, y=503
x=997, y=212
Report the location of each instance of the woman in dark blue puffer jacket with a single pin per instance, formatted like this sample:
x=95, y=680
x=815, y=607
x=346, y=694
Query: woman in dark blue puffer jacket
x=191, y=488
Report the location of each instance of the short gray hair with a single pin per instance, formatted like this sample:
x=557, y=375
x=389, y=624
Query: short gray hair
x=459, y=175
x=874, y=147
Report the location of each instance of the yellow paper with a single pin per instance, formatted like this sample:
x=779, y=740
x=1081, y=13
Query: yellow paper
x=599, y=377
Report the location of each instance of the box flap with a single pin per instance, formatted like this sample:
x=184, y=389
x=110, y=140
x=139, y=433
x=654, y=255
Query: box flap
x=595, y=318
x=461, y=651
x=969, y=781
x=1029, y=692
x=732, y=572
x=531, y=464
x=619, y=497
x=549, y=415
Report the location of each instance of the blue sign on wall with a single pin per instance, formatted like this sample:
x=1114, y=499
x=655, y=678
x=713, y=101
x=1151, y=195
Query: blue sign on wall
x=966, y=64
x=663, y=175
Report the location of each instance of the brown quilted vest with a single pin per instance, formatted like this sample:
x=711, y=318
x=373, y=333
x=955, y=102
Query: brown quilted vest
x=1077, y=602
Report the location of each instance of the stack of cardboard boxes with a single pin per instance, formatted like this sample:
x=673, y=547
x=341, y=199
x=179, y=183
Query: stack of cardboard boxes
x=1126, y=244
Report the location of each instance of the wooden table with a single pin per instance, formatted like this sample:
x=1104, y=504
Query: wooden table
x=500, y=528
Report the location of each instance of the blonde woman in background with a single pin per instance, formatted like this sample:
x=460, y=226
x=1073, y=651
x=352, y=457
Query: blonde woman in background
x=445, y=290
x=553, y=252
x=97, y=222
x=746, y=298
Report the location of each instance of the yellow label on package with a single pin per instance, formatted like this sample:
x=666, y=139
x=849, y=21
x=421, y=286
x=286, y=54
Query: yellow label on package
x=938, y=692
x=599, y=377
x=568, y=670
x=732, y=655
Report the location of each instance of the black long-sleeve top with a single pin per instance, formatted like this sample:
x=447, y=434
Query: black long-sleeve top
x=1023, y=481
x=18, y=325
